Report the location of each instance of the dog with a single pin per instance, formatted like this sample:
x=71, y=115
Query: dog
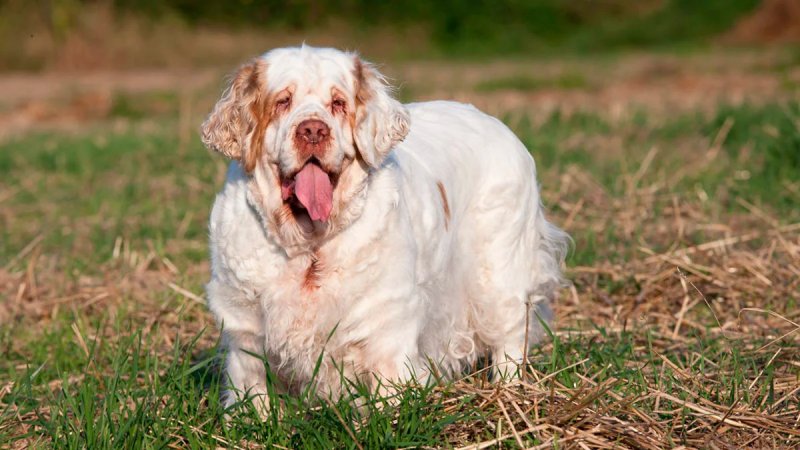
x=357, y=238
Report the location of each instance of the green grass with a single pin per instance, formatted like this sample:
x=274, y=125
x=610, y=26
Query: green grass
x=764, y=140
x=525, y=83
x=129, y=393
x=139, y=106
x=180, y=392
x=91, y=189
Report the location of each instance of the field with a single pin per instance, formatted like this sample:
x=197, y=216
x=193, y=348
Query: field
x=677, y=173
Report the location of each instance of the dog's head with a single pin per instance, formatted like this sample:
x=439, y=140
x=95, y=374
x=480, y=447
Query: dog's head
x=306, y=124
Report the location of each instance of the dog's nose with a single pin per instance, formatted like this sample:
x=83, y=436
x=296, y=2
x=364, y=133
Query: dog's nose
x=313, y=131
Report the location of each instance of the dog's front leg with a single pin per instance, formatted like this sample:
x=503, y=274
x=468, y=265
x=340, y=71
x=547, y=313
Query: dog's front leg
x=245, y=370
x=243, y=341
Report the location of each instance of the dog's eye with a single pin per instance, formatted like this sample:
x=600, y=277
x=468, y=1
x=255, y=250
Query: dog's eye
x=283, y=102
x=338, y=105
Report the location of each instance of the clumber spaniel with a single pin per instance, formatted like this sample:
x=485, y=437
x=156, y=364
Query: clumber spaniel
x=395, y=240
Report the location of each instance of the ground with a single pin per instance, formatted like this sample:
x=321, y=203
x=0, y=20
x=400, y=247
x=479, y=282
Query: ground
x=676, y=173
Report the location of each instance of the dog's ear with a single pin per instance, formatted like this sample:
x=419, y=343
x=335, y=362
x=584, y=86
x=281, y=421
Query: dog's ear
x=381, y=122
x=236, y=126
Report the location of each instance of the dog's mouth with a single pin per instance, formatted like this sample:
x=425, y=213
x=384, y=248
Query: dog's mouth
x=310, y=191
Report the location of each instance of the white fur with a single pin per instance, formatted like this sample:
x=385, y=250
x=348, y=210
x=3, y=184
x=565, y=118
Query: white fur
x=403, y=284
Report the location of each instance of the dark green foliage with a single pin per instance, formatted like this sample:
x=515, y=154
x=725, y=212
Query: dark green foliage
x=676, y=22
x=483, y=26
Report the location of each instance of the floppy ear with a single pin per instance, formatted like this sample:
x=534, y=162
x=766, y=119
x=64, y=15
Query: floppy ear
x=236, y=126
x=381, y=122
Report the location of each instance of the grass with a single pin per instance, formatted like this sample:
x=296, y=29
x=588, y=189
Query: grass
x=181, y=389
x=680, y=328
x=524, y=82
x=152, y=401
x=88, y=179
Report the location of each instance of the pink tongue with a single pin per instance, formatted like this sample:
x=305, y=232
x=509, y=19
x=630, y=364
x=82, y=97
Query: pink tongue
x=314, y=190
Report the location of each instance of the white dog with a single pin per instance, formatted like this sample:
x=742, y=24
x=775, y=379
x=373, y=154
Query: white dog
x=391, y=239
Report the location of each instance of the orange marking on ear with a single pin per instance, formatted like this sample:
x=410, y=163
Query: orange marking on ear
x=363, y=93
x=445, y=204
x=261, y=111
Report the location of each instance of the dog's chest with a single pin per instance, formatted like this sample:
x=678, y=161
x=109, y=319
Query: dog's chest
x=307, y=311
x=303, y=297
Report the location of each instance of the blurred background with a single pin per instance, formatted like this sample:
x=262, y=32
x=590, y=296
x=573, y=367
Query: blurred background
x=124, y=34
x=65, y=62
x=68, y=61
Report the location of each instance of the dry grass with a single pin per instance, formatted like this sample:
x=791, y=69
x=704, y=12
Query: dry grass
x=721, y=288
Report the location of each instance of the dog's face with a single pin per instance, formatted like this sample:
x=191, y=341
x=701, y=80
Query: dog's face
x=306, y=125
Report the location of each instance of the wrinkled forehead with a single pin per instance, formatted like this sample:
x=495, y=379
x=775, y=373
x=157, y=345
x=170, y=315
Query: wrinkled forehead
x=310, y=70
